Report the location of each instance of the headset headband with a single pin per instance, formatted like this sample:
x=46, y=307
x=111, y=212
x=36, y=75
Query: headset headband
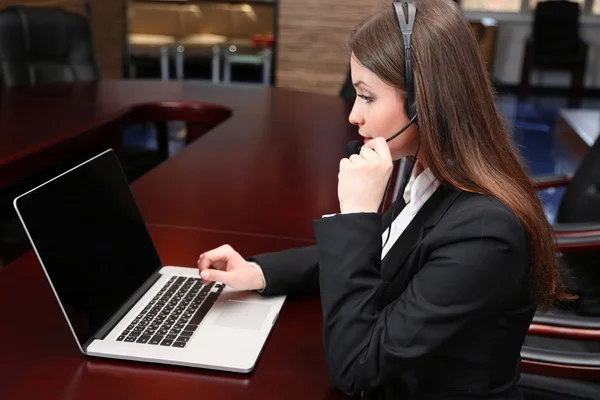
x=407, y=28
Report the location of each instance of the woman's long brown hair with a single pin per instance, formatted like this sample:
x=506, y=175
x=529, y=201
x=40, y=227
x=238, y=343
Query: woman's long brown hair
x=468, y=143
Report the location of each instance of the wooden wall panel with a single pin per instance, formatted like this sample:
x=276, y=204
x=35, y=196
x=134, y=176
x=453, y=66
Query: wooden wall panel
x=311, y=44
x=108, y=26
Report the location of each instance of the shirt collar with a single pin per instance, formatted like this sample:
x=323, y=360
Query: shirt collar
x=417, y=186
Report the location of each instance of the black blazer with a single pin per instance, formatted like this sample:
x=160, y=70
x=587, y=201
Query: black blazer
x=443, y=316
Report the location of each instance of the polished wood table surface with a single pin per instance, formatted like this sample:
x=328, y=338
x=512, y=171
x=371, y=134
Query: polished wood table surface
x=40, y=359
x=38, y=134
x=268, y=166
x=43, y=126
x=261, y=172
x=255, y=181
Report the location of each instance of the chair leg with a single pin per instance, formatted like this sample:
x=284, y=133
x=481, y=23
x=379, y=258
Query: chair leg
x=162, y=140
x=525, y=72
x=179, y=62
x=577, y=83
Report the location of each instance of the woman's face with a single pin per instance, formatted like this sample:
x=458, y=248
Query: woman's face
x=378, y=111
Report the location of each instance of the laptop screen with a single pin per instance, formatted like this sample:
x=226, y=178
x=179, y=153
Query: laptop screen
x=91, y=239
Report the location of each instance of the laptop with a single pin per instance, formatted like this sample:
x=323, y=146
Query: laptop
x=118, y=299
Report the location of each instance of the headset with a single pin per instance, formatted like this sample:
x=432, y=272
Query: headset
x=407, y=29
x=410, y=104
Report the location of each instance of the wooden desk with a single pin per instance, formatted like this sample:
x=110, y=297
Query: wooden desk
x=40, y=133
x=258, y=173
x=40, y=359
x=268, y=170
x=269, y=166
x=43, y=126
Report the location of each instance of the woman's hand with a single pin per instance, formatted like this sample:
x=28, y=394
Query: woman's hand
x=224, y=264
x=363, y=177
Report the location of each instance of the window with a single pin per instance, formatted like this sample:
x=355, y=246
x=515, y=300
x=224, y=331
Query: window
x=492, y=5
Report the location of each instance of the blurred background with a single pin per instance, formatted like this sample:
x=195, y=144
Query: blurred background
x=542, y=57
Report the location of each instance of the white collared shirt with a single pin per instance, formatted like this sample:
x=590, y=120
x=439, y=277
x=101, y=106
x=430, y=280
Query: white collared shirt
x=417, y=192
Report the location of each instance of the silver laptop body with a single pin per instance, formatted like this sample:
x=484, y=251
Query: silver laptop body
x=118, y=299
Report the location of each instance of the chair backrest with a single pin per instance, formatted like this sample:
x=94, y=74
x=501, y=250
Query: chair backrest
x=581, y=200
x=219, y=18
x=160, y=18
x=556, y=27
x=45, y=45
x=580, y=204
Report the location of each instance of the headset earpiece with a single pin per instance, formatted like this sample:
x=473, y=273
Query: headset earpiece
x=410, y=108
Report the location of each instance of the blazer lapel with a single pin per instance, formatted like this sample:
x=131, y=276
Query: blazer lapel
x=425, y=219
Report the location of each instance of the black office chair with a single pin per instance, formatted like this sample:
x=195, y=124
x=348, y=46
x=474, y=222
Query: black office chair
x=49, y=45
x=538, y=387
x=561, y=354
x=555, y=44
x=44, y=46
x=561, y=357
x=38, y=45
x=578, y=231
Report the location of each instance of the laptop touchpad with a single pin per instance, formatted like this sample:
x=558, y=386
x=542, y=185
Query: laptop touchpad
x=242, y=314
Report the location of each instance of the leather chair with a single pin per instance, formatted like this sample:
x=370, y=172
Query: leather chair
x=151, y=31
x=40, y=45
x=556, y=45
x=578, y=231
x=49, y=45
x=43, y=46
x=561, y=354
x=561, y=357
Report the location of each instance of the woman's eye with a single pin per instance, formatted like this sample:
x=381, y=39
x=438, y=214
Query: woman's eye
x=366, y=98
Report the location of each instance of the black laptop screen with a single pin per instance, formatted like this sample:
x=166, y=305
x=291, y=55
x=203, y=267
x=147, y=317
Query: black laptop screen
x=91, y=239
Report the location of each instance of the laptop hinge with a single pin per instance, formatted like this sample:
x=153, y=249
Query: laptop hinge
x=124, y=309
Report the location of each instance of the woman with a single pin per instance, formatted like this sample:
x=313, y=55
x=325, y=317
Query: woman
x=438, y=305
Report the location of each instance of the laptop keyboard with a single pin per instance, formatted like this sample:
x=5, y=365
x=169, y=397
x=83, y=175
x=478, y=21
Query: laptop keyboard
x=174, y=314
